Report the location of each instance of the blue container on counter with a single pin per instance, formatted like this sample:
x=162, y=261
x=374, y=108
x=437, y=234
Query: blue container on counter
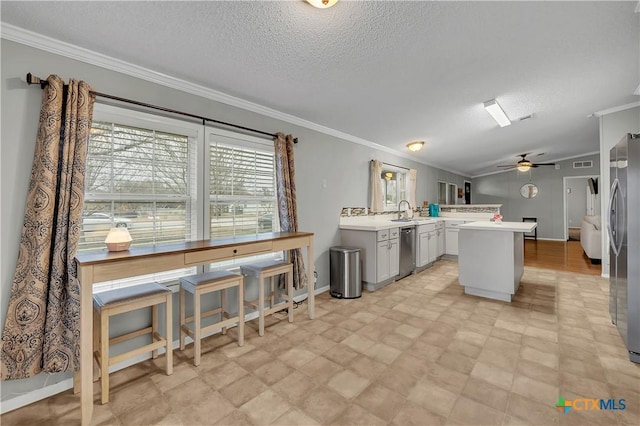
x=434, y=210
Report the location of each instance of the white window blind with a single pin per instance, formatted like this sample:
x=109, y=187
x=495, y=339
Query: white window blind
x=141, y=174
x=242, y=195
x=242, y=189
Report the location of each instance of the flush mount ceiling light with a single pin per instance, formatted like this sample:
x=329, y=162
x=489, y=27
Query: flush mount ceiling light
x=415, y=145
x=497, y=112
x=322, y=4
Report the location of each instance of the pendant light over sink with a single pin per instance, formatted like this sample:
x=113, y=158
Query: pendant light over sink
x=415, y=146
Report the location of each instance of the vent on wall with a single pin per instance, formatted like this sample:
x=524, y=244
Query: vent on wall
x=582, y=164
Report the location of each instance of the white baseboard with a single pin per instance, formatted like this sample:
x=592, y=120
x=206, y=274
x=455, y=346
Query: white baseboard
x=35, y=395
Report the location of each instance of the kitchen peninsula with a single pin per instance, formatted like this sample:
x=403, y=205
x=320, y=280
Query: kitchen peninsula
x=491, y=258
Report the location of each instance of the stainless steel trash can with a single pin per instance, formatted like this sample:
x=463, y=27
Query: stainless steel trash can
x=344, y=265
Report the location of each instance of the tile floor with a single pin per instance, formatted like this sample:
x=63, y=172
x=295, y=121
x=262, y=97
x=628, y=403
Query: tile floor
x=416, y=352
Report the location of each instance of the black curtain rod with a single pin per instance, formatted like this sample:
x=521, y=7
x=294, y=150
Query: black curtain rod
x=31, y=79
x=393, y=165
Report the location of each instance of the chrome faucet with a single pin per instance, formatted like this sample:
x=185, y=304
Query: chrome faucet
x=399, y=211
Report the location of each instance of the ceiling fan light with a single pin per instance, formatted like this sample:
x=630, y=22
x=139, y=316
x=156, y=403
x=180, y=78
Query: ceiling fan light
x=498, y=114
x=523, y=167
x=415, y=146
x=322, y=4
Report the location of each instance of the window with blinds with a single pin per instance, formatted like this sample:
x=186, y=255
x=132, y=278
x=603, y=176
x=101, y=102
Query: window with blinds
x=163, y=181
x=138, y=178
x=141, y=174
x=242, y=193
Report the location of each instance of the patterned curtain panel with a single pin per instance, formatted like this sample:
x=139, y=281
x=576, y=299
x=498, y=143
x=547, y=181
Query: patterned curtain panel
x=412, y=180
x=375, y=185
x=41, y=331
x=287, y=204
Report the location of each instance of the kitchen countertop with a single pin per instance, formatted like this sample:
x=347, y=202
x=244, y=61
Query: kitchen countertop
x=376, y=224
x=380, y=222
x=504, y=226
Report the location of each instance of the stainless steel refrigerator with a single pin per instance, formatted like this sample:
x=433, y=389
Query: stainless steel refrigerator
x=624, y=238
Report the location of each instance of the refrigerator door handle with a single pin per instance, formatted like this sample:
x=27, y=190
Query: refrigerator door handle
x=615, y=187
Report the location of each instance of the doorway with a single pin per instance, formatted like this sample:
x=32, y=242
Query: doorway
x=467, y=192
x=580, y=198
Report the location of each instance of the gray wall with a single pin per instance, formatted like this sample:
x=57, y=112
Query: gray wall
x=319, y=157
x=613, y=127
x=504, y=188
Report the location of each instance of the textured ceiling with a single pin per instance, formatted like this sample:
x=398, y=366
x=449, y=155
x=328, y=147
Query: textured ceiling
x=386, y=72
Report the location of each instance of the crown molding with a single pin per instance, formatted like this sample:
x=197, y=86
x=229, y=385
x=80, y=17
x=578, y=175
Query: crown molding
x=51, y=45
x=615, y=109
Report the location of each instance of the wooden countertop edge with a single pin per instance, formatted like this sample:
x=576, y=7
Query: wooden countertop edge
x=90, y=258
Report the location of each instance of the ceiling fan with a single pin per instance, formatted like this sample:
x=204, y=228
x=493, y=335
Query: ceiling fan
x=524, y=165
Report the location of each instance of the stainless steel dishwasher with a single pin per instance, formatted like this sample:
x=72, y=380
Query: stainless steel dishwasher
x=407, y=251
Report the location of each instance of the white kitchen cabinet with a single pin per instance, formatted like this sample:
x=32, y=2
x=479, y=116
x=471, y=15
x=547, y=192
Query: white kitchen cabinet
x=394, y=257
x=379, y=254
x=426, y=245
x=433, y=246
x=451, y=242
x=440, y=235
x=383, y=262
x=451, y=239
x=422, y=252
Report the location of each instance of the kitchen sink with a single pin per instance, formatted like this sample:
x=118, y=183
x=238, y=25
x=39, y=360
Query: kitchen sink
x=401, y=220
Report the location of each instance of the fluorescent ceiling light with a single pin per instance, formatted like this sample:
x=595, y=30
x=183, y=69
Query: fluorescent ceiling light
x=497, y=113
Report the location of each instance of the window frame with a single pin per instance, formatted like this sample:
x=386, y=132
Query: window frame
x=199, y=137
x=443, y=192
x=239, y=140
x=452, y=192
x=401, y=193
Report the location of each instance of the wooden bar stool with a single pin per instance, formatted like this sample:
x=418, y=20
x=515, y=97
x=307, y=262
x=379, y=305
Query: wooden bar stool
x=270, y=269
x=198, y=285
x=113, y=302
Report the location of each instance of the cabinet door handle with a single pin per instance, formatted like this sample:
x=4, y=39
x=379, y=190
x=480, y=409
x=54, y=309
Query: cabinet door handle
x=235, y=251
